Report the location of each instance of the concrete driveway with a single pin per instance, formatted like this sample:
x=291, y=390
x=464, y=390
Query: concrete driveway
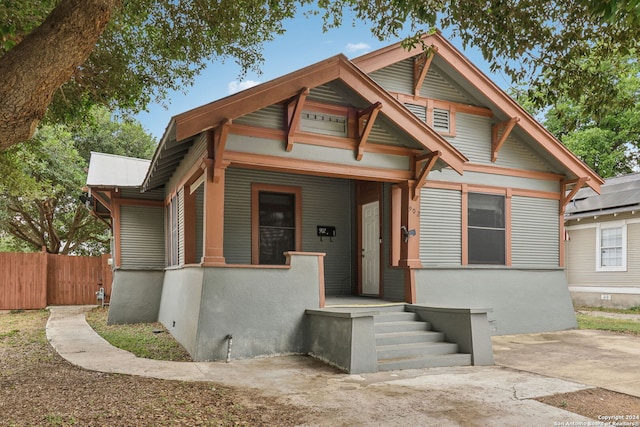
x=597, y=358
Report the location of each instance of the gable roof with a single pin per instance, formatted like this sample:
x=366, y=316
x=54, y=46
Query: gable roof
x=191, y=123
x=455, y=60
x=110, y=170
x=620, y=194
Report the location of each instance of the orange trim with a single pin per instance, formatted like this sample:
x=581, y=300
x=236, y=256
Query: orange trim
x=445, y=105
x=311, y=167
x=256, y=189
x=214, y=221
x=370, y=114
x=189, y=203
x=302, y=137
x=498, y=141
x=421, y=68
x=396, y=223
x=410, y=286
x=321, y=290
x=464, y=224
x=507, y=228
x=521, y=173
x=566, y=198
x=493, y=190
x=431, y=160
x=410, y=246
x=115, y=213
x=561, y=241
x=333, y=109
x=295, y=112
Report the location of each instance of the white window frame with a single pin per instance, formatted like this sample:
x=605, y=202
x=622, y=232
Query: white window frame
x=614, y=224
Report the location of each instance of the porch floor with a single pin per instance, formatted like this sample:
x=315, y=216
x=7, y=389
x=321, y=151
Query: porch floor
x=357, y=303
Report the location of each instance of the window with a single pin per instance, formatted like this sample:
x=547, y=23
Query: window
x=611, y=246
x=486, y=229
x=276, y=223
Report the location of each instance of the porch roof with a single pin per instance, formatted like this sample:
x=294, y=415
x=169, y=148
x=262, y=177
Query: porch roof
x=185, y=126
x=110, y=170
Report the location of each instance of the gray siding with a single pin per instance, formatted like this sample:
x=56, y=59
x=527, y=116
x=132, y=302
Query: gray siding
x=473, y=139
x=271, y=117
x=397, y=77
x=325, y=201
x=440, y=227
x=436, y=86
x=535, y=232
x=142, y=237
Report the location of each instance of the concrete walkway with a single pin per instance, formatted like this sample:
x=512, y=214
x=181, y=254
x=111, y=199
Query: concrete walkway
x=466, y=396
x=597, y=358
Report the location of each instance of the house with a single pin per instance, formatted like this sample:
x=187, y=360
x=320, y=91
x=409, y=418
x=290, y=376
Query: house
x=603, y=246
x=402, y=175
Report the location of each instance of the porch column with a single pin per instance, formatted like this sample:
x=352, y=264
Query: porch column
x=410, y=235
x=214, y=218
x=409, y=238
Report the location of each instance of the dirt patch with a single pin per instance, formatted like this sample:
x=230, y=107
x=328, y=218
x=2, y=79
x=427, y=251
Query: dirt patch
x=598, y=403
x=38, y=387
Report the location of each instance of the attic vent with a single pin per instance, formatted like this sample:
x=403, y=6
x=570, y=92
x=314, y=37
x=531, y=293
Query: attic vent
x=441, y=120
x=418, y=110
x=325, y=124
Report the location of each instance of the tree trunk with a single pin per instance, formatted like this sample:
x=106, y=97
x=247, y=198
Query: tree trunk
x=35, y=68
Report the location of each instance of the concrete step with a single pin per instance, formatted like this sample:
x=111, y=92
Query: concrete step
x=432, y=361
x=401, y=326
x=404, y=351
x=393, y=338
x=397, y=316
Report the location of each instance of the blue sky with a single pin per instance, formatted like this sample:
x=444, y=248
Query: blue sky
x=303, y=44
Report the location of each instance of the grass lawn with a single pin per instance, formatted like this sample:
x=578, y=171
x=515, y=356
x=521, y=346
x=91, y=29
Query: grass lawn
x=608, y=323
x=149, y=340
x=39, y=388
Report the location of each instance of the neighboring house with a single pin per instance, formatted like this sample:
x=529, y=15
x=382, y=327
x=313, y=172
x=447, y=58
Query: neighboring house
x=603, y=247
x=401, y=175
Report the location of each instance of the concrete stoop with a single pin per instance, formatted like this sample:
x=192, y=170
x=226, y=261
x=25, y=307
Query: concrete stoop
x=403, y=341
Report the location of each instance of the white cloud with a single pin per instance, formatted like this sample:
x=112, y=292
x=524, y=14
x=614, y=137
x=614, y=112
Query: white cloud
x=357, y=47
x=236, y=86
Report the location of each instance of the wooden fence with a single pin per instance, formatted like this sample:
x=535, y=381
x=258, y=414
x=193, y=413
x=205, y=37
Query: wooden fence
x=36, y=280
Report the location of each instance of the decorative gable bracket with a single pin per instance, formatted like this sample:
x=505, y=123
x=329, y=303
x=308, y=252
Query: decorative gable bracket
x=568, y=196
x=498, y=139
x=216, y=141
x=295, y=112
x=421, y=68
x=369, y=114
x=430, y=160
